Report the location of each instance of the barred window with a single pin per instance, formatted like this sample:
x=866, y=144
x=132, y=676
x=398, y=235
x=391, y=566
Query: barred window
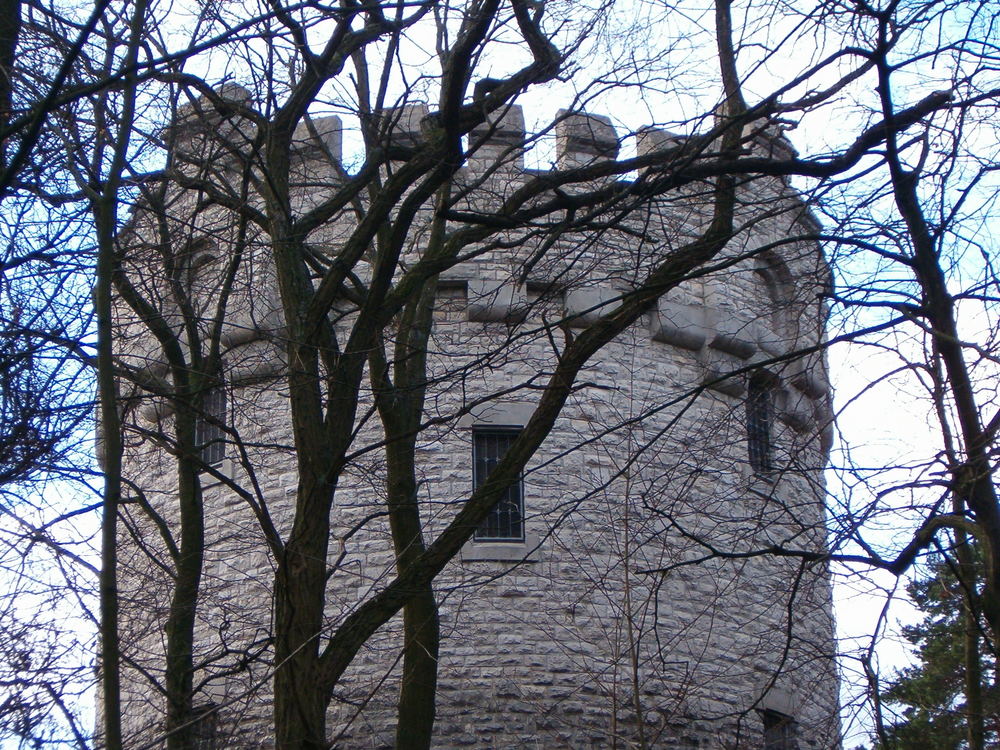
x=505, y=523
x=780, y=731
x=208, y=431
x=759, y=409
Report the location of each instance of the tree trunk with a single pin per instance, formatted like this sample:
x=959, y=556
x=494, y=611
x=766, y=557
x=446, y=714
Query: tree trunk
x=974, y=716
x=401, y=407
x=417, y=695
x=418, y=692
x=300, y=584
x=179, y=678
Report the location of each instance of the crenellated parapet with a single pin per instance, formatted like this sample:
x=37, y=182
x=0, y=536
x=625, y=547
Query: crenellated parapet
x=708, y=319
x=581, y=138
x=754, y=321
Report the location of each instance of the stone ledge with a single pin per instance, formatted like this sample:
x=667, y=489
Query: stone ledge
x=779, y=700
x=499, y=414
x=225, y=468
x=585, y=306
x=526, y=551
x=491, y=301
x=684, y=326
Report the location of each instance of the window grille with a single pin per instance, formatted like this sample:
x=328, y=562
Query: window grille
x=780, y=731
x=759, y=425
x=505, y=523
x=209, y=433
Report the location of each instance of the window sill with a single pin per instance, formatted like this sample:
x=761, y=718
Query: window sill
x=526, y=551
x=209, y=480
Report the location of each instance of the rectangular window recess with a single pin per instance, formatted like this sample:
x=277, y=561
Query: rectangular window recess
x=209, y=433
x=759, y=416
x=505, y=522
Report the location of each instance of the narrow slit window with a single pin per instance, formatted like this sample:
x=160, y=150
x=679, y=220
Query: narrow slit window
x=759, y=410
x=505, y=523
x=209, y=433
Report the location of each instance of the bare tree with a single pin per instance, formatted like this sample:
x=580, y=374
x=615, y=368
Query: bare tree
x=291, y=294
x=919, y=292
x=257, y=246
x=46, y=561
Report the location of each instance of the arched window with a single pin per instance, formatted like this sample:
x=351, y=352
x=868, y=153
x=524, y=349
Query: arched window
x=777, y=291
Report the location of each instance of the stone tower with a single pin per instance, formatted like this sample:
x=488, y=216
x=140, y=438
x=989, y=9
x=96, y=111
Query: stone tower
x=616, y=596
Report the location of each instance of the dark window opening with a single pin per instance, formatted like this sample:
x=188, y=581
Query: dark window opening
x=780, y=731
x=759, y=408
x=205, y=731
x=505, y=523
x=208, y=431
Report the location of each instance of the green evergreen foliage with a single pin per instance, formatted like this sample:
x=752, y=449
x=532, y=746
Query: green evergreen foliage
x=928, y=699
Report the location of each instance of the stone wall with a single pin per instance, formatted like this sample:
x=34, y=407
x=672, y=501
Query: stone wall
x=613, y=624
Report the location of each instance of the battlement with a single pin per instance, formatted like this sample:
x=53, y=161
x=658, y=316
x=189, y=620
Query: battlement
x=581, y=138
x=701, y=323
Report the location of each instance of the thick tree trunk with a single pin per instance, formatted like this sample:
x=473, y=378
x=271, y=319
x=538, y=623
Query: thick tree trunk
x=319, y=436
x=300, y=584
x=401, y=407
x=418, y=693
x=974, y=716
x=179, y=678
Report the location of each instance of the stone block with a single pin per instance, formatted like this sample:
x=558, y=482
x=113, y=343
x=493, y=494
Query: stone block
x=680, y=325
x=582, y=138
x=719, y=380
x=651, y=140
x=318, y=138
x=790, y=409
x=770, y=342
x=810, y=384
x=400, y=129
x=733, y=334
x=202, y=124
x=504, y=128
x=492, y=301
x=256, y=360
x=585, y=305
x=201, y=112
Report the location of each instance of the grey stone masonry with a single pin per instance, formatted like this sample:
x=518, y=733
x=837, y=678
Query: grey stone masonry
x=618, y=618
